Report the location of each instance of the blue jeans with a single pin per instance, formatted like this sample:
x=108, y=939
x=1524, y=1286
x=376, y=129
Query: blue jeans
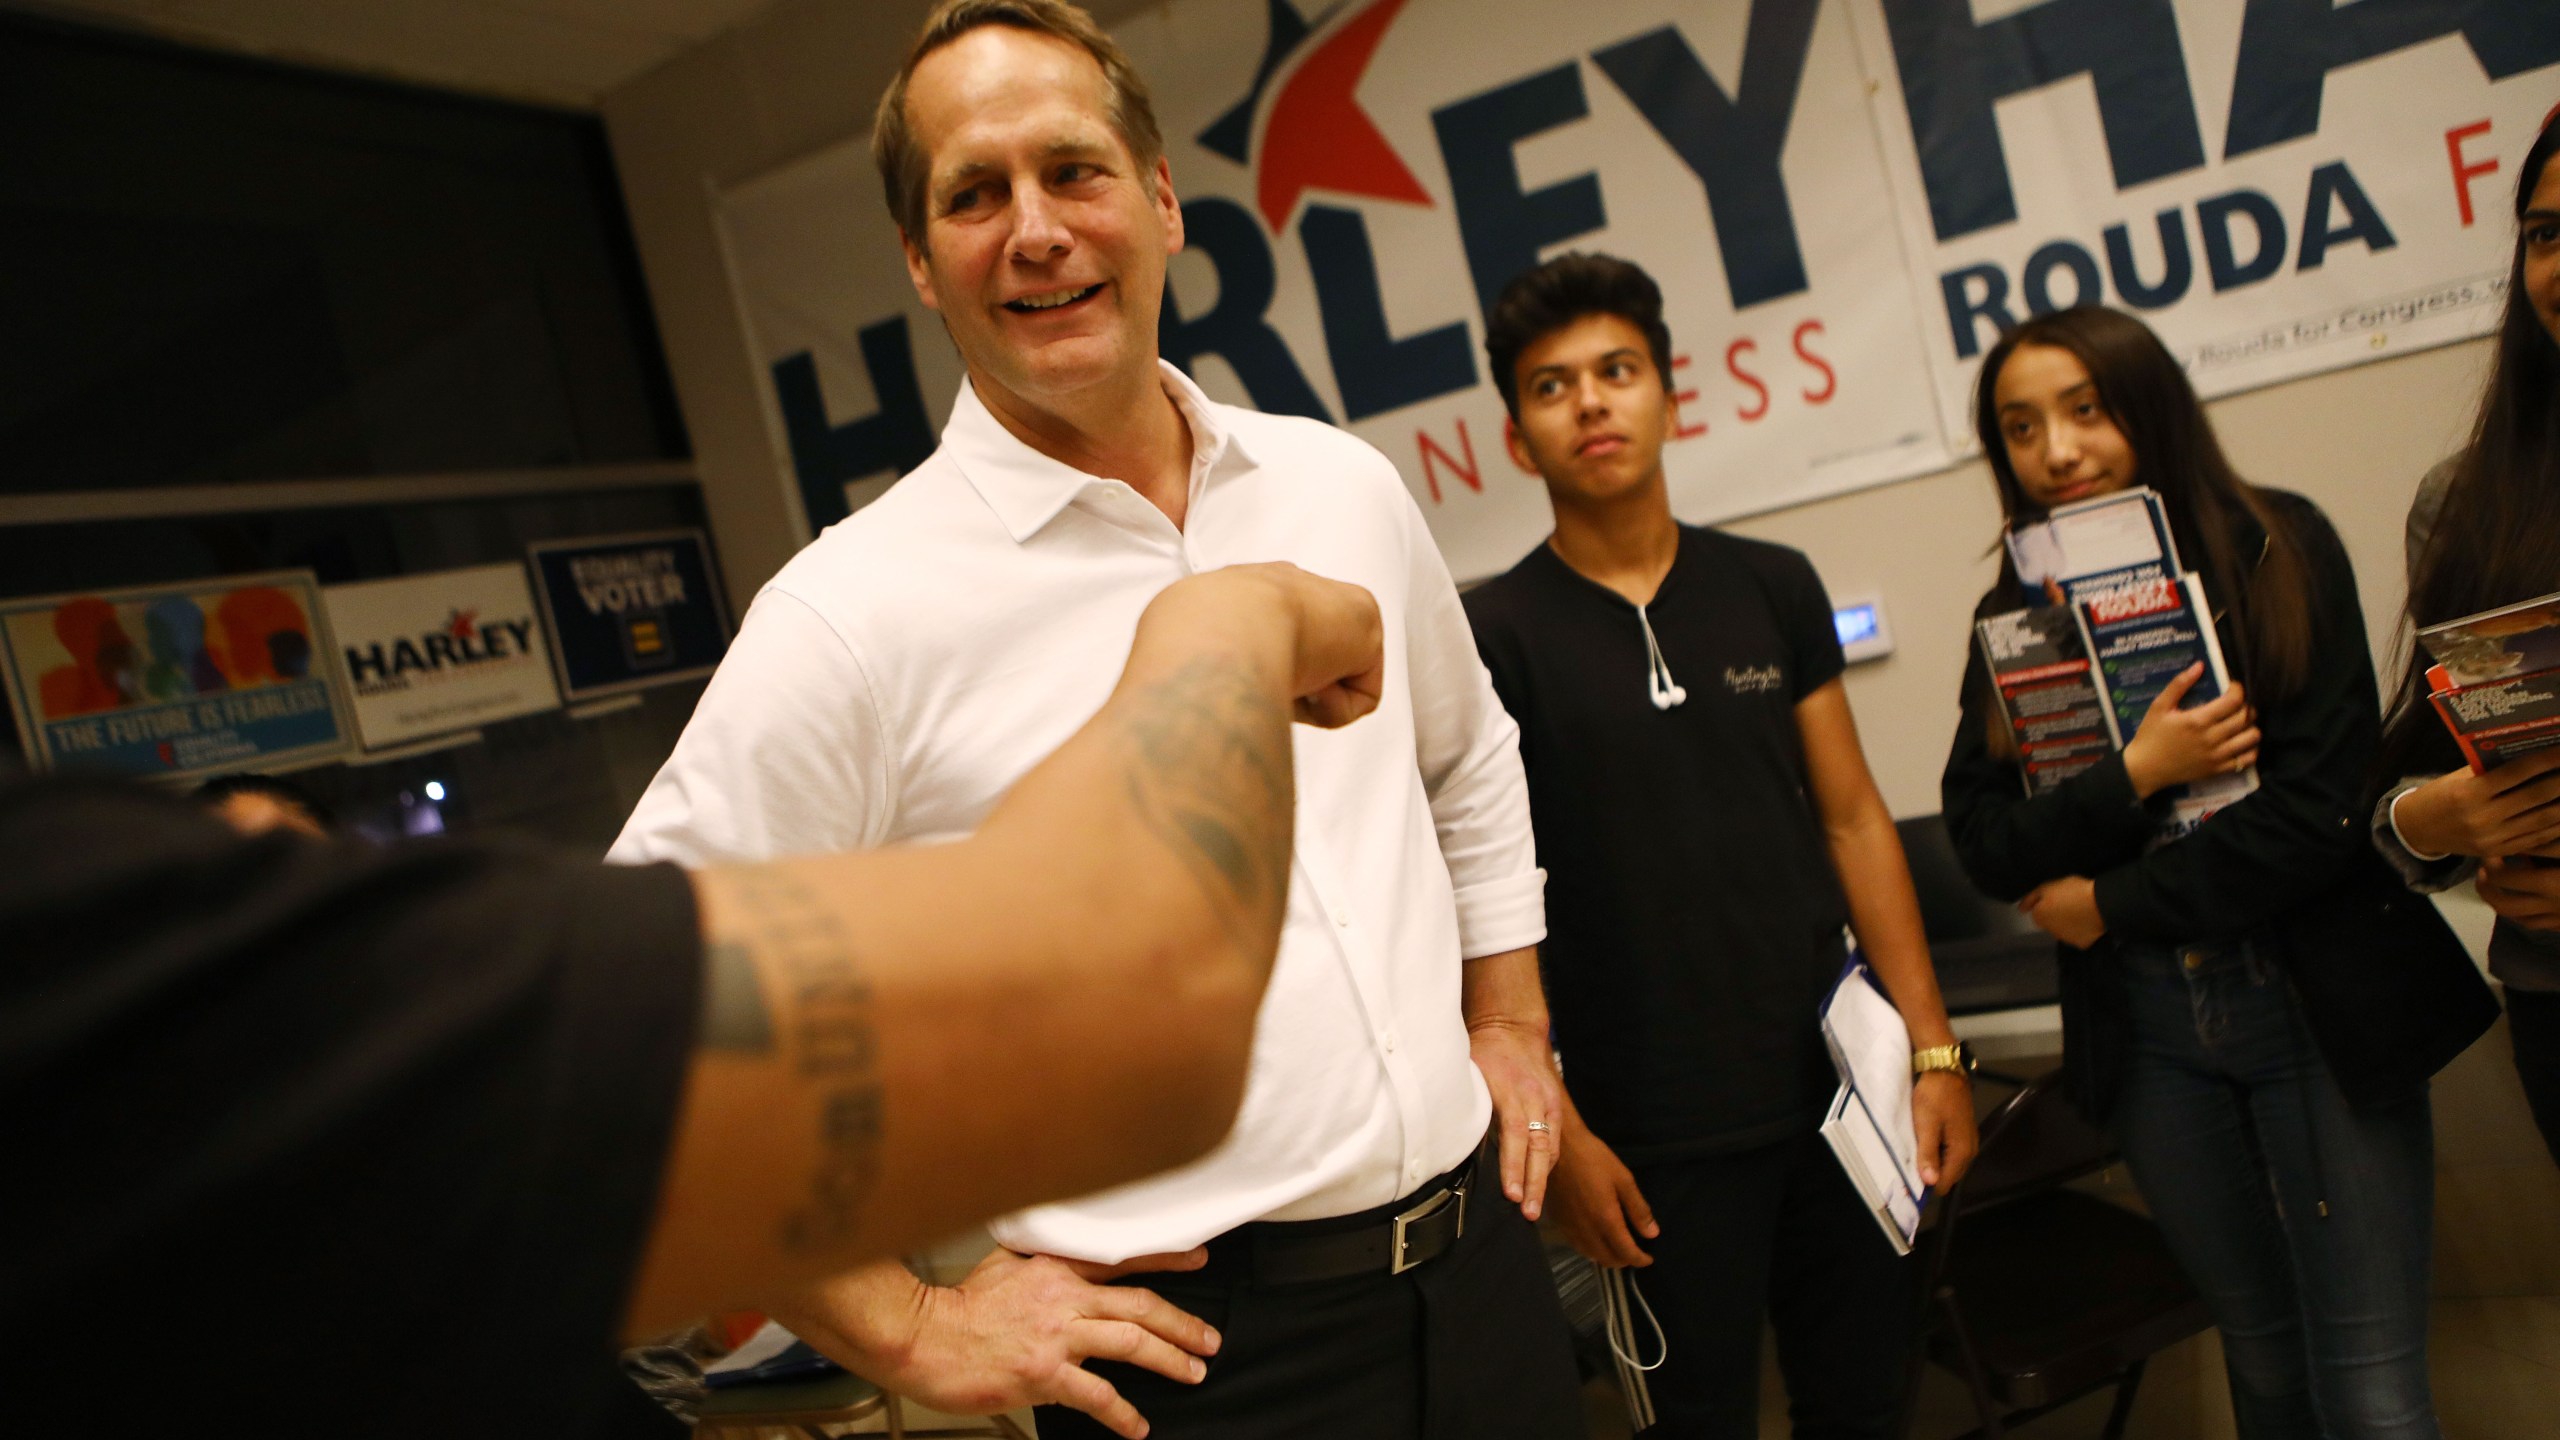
x=2240, y=1140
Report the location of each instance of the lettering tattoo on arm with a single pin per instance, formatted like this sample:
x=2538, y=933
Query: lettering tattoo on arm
x=734, y=1017
x=786, y=937
x=1209, y=775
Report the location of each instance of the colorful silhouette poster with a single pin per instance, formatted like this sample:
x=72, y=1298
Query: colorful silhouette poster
x=175, y=680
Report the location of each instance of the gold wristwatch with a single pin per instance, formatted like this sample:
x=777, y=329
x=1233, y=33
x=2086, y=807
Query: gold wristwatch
x=1955, y=1059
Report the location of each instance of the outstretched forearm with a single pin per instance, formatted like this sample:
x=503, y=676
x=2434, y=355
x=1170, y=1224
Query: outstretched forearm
x=868, y=1320
x=898, y=1044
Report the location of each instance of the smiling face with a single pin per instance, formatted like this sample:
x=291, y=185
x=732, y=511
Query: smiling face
x=2539, y=233
x=2062, y=444
x=1044, y=242
x=1594, y=410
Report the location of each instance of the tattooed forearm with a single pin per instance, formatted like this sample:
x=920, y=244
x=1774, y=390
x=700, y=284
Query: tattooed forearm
x=733, y=1009
x=1209, y=773
x=826, y=1033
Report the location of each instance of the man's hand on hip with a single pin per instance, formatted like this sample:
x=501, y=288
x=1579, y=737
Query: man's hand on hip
x=1017, y=1331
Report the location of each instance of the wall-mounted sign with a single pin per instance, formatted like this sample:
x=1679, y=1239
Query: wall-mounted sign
x=1843, y=203
x=630, y=611
x=427, y=654
x=178, y=680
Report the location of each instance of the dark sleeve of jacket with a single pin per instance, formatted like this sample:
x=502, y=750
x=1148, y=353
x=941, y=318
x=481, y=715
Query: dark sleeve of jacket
x=2293, y=838
x=2010, y=843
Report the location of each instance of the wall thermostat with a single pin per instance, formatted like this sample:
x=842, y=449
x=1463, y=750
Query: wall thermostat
x=1864, y=635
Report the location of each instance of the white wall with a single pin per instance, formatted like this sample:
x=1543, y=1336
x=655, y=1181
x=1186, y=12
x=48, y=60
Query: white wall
x=806, y=73
x=798, y=77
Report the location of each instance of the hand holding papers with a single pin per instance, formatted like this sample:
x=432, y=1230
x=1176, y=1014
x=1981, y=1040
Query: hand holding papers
x=2075, y=677
x=1869, y=1123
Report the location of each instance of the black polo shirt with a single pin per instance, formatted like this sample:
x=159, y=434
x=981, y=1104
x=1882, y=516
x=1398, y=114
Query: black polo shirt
x=1693, y=916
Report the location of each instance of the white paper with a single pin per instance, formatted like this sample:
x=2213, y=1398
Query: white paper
x=1873, y=1048
x=1861, y=1151
x=2107, y=536
x=2094, y=537
x=763, y=1345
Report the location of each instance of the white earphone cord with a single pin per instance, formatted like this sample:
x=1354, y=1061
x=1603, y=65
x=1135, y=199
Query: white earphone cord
x=1659, y=687
x=1620, y=1319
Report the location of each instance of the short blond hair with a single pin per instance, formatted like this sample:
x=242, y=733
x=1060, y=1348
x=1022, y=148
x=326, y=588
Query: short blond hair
x=905, y=168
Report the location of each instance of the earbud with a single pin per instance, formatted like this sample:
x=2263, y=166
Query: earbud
x=1659, y=687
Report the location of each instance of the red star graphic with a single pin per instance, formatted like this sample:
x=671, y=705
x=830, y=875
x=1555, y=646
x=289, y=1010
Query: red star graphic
x=1318, y=137
x=460, y=626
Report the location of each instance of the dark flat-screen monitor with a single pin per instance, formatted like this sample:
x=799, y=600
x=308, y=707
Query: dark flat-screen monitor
x=1988, y=956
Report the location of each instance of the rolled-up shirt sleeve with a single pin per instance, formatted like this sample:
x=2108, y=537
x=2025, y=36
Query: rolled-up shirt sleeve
x=1469, y=751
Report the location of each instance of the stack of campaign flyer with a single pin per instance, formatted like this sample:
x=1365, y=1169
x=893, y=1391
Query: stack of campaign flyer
x=2496, y=680
x=2122, y=619
x=1869, y=1124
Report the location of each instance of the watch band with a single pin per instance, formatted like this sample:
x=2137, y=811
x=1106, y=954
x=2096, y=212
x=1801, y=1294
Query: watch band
x=1956, y=1059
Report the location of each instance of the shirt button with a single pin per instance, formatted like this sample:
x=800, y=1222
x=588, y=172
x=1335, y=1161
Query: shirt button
x=1342, y=918
x=1413, y=1171
x=1389, y=1041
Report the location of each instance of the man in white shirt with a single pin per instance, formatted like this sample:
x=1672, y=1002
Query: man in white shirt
x=899, y=674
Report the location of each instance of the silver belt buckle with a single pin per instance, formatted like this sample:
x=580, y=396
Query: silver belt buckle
x=1400, y=1256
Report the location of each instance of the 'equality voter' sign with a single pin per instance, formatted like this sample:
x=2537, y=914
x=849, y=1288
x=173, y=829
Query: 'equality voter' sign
x=429, y=654
x=1843, y=199
x=630, y=611
x=174, y=681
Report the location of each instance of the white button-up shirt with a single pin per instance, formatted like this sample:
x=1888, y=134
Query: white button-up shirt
x=903, y=671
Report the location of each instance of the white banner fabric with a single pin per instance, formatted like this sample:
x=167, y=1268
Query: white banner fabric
x=1841, y=198
x=2278, y=188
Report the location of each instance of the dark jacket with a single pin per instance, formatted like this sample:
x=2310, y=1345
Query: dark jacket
x=2283, y=866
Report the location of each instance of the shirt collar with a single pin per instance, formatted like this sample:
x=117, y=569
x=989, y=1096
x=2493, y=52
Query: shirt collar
x=1027, y=489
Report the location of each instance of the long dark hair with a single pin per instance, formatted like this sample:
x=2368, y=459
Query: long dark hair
x=2216, y=516
x=2497, y=539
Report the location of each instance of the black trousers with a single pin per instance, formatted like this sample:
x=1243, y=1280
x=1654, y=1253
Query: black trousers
x=1469, y=1346
x=1776, y=1231
x=2533, y=1023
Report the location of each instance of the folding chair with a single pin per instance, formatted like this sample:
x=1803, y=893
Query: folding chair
x=2037, y=1294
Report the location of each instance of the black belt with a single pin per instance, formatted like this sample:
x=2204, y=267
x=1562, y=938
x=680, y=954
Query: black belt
x=1389, y=1240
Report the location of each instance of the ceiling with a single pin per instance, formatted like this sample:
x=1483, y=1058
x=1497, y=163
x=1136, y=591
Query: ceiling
x=551, y=52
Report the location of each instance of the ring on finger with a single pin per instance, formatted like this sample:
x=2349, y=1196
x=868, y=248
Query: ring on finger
x=1540, y=1127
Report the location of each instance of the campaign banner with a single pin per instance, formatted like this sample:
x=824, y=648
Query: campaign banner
x=1358, y=181
x=175, y=681
x=1843, y=202
x=2278, y=187
x=626, y=612
x=430, y=654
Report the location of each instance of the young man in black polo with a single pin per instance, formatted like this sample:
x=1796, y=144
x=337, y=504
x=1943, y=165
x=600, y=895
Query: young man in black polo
x=1708, y=825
